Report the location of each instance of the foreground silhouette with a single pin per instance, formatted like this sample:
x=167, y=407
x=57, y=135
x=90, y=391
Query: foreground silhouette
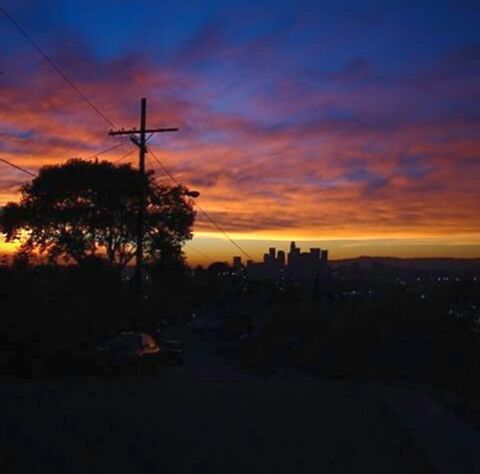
x=84, y=209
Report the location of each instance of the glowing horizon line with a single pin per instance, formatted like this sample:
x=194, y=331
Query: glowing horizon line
x=473, y=237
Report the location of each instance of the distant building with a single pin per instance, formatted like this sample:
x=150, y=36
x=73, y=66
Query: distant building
x=315, y=253
x=293, y=254
x=237, y=264
x=300, y=266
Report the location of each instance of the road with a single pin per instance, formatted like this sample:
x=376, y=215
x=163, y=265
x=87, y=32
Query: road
x=210, y=417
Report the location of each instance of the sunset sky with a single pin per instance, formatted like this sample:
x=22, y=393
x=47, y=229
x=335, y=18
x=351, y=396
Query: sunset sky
x=349, y=125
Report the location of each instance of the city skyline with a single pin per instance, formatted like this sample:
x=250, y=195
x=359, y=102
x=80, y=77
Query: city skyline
x=347, y=250
x=283, y=258
x=209, y=249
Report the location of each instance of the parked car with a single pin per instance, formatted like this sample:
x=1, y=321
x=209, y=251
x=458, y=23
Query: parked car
x=129, y=352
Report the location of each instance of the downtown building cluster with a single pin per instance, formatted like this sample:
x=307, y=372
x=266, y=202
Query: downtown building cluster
x=296, y=265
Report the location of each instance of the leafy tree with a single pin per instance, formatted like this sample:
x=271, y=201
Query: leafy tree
x=82, y=210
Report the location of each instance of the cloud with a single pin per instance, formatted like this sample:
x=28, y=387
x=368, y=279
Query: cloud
x=340, y=150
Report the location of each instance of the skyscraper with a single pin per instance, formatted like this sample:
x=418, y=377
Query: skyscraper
x=315, y=253
x=237, y=263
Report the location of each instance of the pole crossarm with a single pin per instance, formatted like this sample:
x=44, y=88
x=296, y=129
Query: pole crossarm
x=147, y=130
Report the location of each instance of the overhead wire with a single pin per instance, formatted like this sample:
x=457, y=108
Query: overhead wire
x=34, y=175
x=56, y=68
x=199, y=252
x=178, y=184
x=205, y=213
x=20, y=168
x=96, y=109
x=114, y=147
x=123, y=157
x=11, y=185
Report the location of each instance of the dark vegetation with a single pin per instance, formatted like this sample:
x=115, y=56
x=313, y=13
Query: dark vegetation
x=81, y=210
x=70, y=282
x=52, y=316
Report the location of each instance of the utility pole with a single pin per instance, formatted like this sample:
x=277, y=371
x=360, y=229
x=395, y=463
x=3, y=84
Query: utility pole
x=139, y=138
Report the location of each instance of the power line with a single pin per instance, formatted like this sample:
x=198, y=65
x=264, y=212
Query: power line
x=204, y=255
x=123, y=157
x=114, y=147
x=224, y=233
x=34, y=175
x=210, y=219
x=18, y=167
x=11, y=185
x=57, y=69
x=103, y=116
x=164, y=168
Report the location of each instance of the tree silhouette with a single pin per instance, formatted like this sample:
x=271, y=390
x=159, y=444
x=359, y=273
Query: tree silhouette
x=83, y=209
